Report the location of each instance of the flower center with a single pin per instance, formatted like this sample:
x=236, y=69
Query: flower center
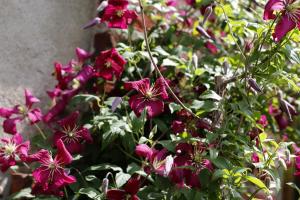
x=293, y=11
x=52, y=165
x=119, y=13
x=108, y=64
x=149, y=94
x=10, y=149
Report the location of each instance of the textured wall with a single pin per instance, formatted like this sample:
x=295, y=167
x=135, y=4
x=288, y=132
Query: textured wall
x=34, y=34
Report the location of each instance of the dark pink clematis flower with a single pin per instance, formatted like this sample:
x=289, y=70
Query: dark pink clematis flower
x=122, y=3
x=109, y=63
x=188, y=163
x=71, y=134
x=297, y=165
x=289, y=16
x=13, y=150
x=21, y=112
x=118, y=16
x=148, y=97
x=129, y=193
x=157, y=159
x=82, y=55
x=51, y=176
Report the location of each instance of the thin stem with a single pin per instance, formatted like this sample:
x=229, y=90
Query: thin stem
x=156, y=67
x=40, y=131
x=231, y=32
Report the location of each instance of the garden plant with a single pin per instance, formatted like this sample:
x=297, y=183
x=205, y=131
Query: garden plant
x=198, y=99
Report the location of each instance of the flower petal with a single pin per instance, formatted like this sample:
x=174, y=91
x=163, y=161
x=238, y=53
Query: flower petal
x=30, y=99
x=62, y=156
x=115, y=194
x=283, y=27
x=141, y=85
x=271, y=6
x=35, y=115
x=10, y=125
x=144, y=150
x=69, y=121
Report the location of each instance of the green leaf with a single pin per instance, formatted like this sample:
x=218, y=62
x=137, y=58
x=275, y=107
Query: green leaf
x=24, y=193
x=210, y=94
x=174, y=107
x=221, y=163
x=103, y=167
x=91, y=193
x=293, y=185
x=122, y=178
x=256, y=182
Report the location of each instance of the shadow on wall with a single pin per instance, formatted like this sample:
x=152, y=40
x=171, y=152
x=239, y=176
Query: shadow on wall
x=34, y=34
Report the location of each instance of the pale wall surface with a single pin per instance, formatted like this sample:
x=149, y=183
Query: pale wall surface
x=34, y=34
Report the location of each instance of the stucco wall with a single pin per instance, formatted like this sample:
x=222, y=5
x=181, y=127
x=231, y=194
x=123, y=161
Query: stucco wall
x=34, y=34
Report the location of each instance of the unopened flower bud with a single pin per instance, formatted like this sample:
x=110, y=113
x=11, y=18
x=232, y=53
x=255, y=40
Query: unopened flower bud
x=92, y=23
x=288, y=156
x=102, y=6
x=282, y=163
x=285, y=108
x=168, y=165
x=225, y=67
x=104, y=186
x=254, y=85
x=195, y=61
x=207, y=14
x=203, y=32
x=268, y=182
x=269, y=197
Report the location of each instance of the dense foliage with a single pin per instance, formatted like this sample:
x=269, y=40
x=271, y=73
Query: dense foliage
x=199, y=99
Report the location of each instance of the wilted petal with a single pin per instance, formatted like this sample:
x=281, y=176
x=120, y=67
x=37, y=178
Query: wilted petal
x=85, y=74
x=117, y=101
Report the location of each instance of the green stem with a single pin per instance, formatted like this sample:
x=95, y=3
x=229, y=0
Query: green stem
x=40, y=131
x=156, y=67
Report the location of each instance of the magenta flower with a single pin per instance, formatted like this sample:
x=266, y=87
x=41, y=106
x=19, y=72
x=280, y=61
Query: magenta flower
x=72, y=135
x=82, y=55
x=255, y=158
x=21, y=112
x=148, y=97
x=157, y=159
x=51, y=176
x=117, y=15
x=289, y=16
x=109, y=63
x=13, y=150
x=129, y=193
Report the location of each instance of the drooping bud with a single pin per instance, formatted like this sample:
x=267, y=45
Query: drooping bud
x=285, y=108
x=207, y=14
x=168, y=165
x=282, y=163
x=225, y=67
x=268, y=182
x=288, y=156
x=104, y=186
x=115, y=103
x=269, y=197
x=195, y=61
x=92, y=23
x=254, y=85
x=203, y=32
x=102, y=6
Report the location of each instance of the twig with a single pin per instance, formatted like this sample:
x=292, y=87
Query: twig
x=156, y=67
